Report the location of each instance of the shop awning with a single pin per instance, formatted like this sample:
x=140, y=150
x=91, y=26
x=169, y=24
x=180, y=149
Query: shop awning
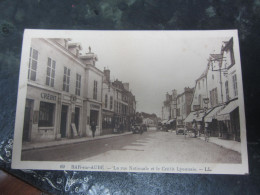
x=200, y=116
x=170, y=121
x=190, y=117
x=225, y=113
x=212, y=114
x=164, y=121
x=197, y=116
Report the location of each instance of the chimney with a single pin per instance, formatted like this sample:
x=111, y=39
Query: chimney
x=107, y=75
x=174, y=93
x=126, y=86
x=167, y=96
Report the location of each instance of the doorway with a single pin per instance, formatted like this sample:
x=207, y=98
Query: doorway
x=77, y=115
x=94, y=117
x=27, y=125
x=63, y=121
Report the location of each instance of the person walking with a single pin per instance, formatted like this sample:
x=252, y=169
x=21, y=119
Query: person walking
x=93, y=128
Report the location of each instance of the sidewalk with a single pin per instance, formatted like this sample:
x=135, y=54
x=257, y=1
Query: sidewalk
x=229, y=144
x=32, y=146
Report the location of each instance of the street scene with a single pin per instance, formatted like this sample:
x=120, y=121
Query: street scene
x=151, y=146
x=158, y=99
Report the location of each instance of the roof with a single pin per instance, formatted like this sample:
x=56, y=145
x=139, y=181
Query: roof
x=216, y=57
x=228, y=44
x=75, y=45
x=204, y=74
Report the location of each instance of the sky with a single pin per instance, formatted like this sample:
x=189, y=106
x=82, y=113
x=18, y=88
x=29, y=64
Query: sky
x=152, y=62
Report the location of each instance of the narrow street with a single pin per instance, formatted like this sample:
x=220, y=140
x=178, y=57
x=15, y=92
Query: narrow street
x=152, y=146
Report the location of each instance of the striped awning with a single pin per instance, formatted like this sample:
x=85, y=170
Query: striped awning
x=225, y=113
x=213, y=114
x=170, y=121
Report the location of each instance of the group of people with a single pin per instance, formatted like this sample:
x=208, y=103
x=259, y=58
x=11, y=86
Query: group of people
x=198, y=129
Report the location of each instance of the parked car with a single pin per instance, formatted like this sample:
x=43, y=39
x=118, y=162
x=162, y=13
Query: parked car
x=180, y=129
x=144, y=127
x=136, y=128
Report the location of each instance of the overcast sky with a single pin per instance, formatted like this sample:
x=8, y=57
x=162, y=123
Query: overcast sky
x=153, y=62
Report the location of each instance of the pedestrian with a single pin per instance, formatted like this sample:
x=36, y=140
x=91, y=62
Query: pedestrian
x=93, y=128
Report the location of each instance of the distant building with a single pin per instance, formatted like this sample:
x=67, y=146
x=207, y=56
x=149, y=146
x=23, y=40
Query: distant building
x=108, y=95
x=183, y=108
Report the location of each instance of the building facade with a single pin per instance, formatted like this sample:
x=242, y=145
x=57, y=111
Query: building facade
x=60, y=91
x=108, y=121
x=215, y=105
x=183, y=108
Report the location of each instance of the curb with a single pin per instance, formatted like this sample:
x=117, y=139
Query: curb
x=74, y=142
x=221, y=145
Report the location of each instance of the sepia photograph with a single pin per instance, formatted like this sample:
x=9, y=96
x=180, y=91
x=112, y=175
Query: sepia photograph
x=131, y=101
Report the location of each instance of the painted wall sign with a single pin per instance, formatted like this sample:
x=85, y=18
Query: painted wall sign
x=94, y=106
x=48, y=96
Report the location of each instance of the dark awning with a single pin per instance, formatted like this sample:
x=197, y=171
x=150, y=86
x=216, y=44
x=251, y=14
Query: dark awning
x=225, y=113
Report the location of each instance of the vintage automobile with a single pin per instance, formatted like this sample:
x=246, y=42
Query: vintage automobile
x=144, y=127
x=137, y=128
x=180, y=129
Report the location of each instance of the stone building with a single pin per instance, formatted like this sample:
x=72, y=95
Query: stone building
x=183, y=107
x=108, y=95
x=63, y=91
x=228, y=117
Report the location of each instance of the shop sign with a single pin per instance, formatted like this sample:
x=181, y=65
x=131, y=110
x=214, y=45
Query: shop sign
x=94, y=106
x=48, y=96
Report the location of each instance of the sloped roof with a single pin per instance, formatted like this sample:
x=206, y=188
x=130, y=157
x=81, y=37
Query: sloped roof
x=216, y=57
x=204, y=74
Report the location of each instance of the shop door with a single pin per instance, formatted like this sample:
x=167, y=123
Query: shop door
x=94, y=116
x=77, y=114
x=27, y=125
x=63, y=122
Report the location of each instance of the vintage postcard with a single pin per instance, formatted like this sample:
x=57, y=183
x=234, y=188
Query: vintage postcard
x=131, y=101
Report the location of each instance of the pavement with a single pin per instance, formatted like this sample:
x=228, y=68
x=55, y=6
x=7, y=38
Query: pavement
x=38, y=145
x=151, y=146
x=228, y=144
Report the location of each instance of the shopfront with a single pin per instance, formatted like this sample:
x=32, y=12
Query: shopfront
x=108, y=122
x=229, y=123
x=71, y=113
x=40, y=115
x=94, y=117
x=211, y=120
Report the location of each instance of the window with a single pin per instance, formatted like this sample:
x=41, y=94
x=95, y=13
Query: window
x=95, y=90
x=106, y=101
x=66, y=79
x=232, y=56
x=111, y=102
x=78, y=84
x=33, y=61
x=227, y=91
x=214, y=97
x=234, y=77
x=178, y=112
x=213, y=77
x=50, y=72
x=199, y=101
x=46, y=114
x=199, y=84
